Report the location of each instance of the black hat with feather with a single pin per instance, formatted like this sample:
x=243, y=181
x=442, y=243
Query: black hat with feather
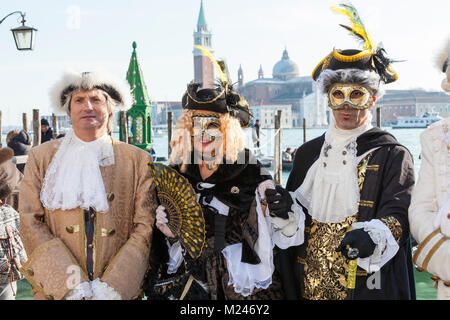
x=369, y=59
x=222, y=99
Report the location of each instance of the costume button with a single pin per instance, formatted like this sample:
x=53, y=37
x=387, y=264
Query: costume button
x=30, y=272
x=90, y=246
x=324, y=164
x=93, y=215
x=447, y=283
x=110, y=196
x=344, y=162
x=344, y=152
x=111, y=232
x=69, y=229
x=49, y=297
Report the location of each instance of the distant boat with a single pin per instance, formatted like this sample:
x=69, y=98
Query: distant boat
x=416, y=122
x=267, y=162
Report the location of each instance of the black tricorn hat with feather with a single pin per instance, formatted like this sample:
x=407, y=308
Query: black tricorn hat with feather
x=221, y=99
x=370, y=58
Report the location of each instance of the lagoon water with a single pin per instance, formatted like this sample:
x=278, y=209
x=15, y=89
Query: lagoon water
x=293, y=138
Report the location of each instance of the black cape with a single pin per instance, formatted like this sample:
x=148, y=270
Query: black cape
x=389, y=188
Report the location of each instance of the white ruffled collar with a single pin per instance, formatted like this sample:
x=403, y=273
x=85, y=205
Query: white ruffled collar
x=73, y=178
x=330, y=189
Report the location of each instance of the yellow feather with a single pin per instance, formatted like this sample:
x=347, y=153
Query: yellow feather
x=357, y=25
x=206, y=52
x=342, y=11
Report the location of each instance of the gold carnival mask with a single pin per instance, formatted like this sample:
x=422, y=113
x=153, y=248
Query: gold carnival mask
x=206, y=126
x=355, y=96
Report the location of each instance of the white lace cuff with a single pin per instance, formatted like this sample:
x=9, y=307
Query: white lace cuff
x=289, y=232
x=386, y=246
x=246, y=277
x=102, y=291
x=82, y=290
x=175, y=257
x=441, y=220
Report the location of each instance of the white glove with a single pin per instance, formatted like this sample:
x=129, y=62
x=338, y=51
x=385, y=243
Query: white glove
x=442, y=219
x=161, y=222
x=288, y=226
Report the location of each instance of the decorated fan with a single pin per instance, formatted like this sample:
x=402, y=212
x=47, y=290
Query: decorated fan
x=185, y=214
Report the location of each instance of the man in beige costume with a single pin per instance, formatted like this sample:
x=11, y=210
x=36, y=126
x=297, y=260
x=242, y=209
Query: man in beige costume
x=429, y=213
x=87, y=202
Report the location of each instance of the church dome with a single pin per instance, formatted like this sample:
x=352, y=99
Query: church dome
x=285, y=69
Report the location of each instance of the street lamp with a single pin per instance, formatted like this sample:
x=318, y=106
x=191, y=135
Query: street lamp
x=23, y=36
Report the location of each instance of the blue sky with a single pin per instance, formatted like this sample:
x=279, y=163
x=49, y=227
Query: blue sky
x=247, y=32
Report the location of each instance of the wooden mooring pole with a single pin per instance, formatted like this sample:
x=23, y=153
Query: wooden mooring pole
x=304, y=130
x=36, y=127
x=278, y=165
x=378, y=117
x=0, y=127
x=25, y=122
x=123, y=126
x=55, y=125
x=169, y=130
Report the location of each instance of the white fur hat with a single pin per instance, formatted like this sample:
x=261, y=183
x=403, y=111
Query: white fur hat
x=117, y=89
x=443, y=63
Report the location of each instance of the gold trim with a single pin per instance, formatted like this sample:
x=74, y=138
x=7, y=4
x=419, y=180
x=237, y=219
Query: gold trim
x=187, y=287
x=366, y=203
x=209, y=101
x=432, y=252
x=98, y=242
x=328, y=57
x=374, y=167
x=82, y=240
x=353, y=58
x=422, y=245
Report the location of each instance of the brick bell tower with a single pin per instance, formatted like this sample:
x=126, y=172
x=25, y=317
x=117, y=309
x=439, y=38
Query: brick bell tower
x=203, y=67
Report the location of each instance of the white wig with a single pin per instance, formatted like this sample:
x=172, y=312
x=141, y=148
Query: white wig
x=365, y=78
x=442, y=62
x=116, y=88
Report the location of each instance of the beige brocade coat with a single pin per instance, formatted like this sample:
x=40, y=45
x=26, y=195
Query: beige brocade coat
x=55, y=240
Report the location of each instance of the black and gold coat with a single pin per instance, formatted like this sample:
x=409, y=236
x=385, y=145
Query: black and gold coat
x=386, y=179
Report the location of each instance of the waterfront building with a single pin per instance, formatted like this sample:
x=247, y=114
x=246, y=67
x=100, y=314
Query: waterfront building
x=286, y=87
x=416, y=102
x=266, y=115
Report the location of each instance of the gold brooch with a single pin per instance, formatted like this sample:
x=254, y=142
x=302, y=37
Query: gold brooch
x=234, y=190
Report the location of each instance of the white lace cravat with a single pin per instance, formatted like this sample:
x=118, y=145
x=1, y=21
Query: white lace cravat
x=73, y=178
x=330, y=190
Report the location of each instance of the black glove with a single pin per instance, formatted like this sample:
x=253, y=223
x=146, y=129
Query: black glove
x=357, y=239
x=279, y=202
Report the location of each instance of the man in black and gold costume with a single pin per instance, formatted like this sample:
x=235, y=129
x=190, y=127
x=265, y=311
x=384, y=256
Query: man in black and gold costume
x=354, y=185
x=208, y=148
